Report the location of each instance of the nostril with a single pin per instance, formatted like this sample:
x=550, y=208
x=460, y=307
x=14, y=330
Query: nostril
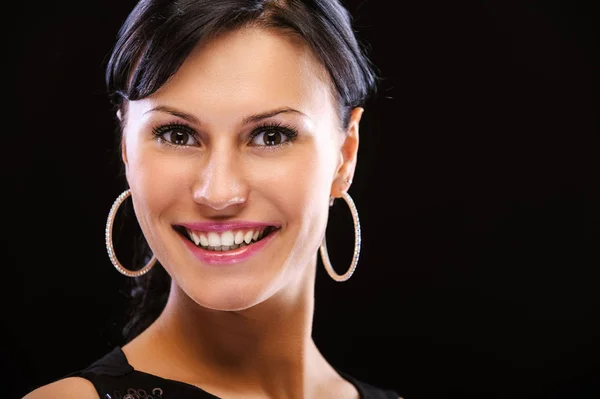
x=216, y=204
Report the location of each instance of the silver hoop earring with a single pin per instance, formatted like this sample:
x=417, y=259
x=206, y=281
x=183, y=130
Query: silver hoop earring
x=109, y=243
x=357, y=238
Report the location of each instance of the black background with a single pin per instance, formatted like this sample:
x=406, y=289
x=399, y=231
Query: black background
x=477, y=187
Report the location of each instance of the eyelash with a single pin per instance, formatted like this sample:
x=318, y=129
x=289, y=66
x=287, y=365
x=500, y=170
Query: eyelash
x=289, y=132
x=160, y=131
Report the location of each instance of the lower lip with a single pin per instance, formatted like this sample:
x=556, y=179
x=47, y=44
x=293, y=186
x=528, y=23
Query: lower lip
x=228, y=257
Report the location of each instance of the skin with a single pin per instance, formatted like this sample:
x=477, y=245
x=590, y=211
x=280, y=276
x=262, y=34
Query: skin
x=242, y=330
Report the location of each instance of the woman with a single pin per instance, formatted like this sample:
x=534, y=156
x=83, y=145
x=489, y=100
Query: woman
x=239, y=123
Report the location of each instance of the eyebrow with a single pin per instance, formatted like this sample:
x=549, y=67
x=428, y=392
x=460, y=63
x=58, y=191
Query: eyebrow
x=249, y=119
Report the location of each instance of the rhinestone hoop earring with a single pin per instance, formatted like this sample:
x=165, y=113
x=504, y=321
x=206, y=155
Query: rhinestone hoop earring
x=357, y=238
x=109, y=243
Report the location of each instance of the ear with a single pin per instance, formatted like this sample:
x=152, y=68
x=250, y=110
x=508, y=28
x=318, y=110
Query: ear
x=348, y=156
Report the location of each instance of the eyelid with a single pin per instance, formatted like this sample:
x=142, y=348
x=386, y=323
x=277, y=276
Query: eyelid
x=287, y=130
x=282, y=128
x=165, y=127
x=159, y=132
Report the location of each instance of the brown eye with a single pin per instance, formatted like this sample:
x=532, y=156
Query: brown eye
x=270, y=136
x=179, y=138
x=178, y=135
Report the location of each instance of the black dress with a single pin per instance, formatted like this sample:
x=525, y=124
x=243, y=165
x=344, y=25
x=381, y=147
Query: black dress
x=114, y=378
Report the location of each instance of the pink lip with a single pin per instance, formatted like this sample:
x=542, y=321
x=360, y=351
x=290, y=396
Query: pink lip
x=228, y=257
x=224, y=226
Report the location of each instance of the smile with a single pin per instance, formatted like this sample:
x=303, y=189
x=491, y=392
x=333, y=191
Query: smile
x=225, y=243
x=227, y=240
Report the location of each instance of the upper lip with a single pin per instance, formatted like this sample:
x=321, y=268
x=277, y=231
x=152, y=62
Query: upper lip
x=225, y=226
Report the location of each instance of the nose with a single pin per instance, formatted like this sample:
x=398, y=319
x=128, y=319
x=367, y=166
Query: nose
x=221, y=183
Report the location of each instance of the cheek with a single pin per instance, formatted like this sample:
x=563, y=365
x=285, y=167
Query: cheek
x=157, y=180
x=300, y=187
x=298, y=179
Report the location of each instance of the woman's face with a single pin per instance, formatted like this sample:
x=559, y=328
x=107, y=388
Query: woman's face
x=242, y=144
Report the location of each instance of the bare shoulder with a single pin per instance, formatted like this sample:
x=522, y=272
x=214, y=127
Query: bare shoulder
x=66, y=388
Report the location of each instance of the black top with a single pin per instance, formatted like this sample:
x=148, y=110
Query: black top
x=114, y=378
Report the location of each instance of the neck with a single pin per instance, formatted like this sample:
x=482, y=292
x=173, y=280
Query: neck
x=267, y=347
x=275, y=330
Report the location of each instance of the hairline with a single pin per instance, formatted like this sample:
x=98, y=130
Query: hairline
x=295, y=37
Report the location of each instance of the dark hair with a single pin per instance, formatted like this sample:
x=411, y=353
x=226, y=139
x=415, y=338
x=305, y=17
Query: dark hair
x=158, y=36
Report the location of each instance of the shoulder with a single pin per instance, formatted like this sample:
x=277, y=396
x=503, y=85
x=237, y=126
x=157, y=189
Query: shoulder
x=66, y=388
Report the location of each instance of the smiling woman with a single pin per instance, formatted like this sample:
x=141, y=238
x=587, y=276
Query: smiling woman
x=239, y=123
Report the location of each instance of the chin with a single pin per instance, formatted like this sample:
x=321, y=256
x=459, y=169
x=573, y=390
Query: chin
x=228, y=297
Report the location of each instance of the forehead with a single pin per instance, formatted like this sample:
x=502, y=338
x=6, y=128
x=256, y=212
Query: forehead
x=248, y=70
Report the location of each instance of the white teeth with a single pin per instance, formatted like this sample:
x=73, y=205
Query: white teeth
x=239, y=237
x=194, y=237
x=203, y=240
x=227, y=238
x=214, y=240
x=248, y=237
